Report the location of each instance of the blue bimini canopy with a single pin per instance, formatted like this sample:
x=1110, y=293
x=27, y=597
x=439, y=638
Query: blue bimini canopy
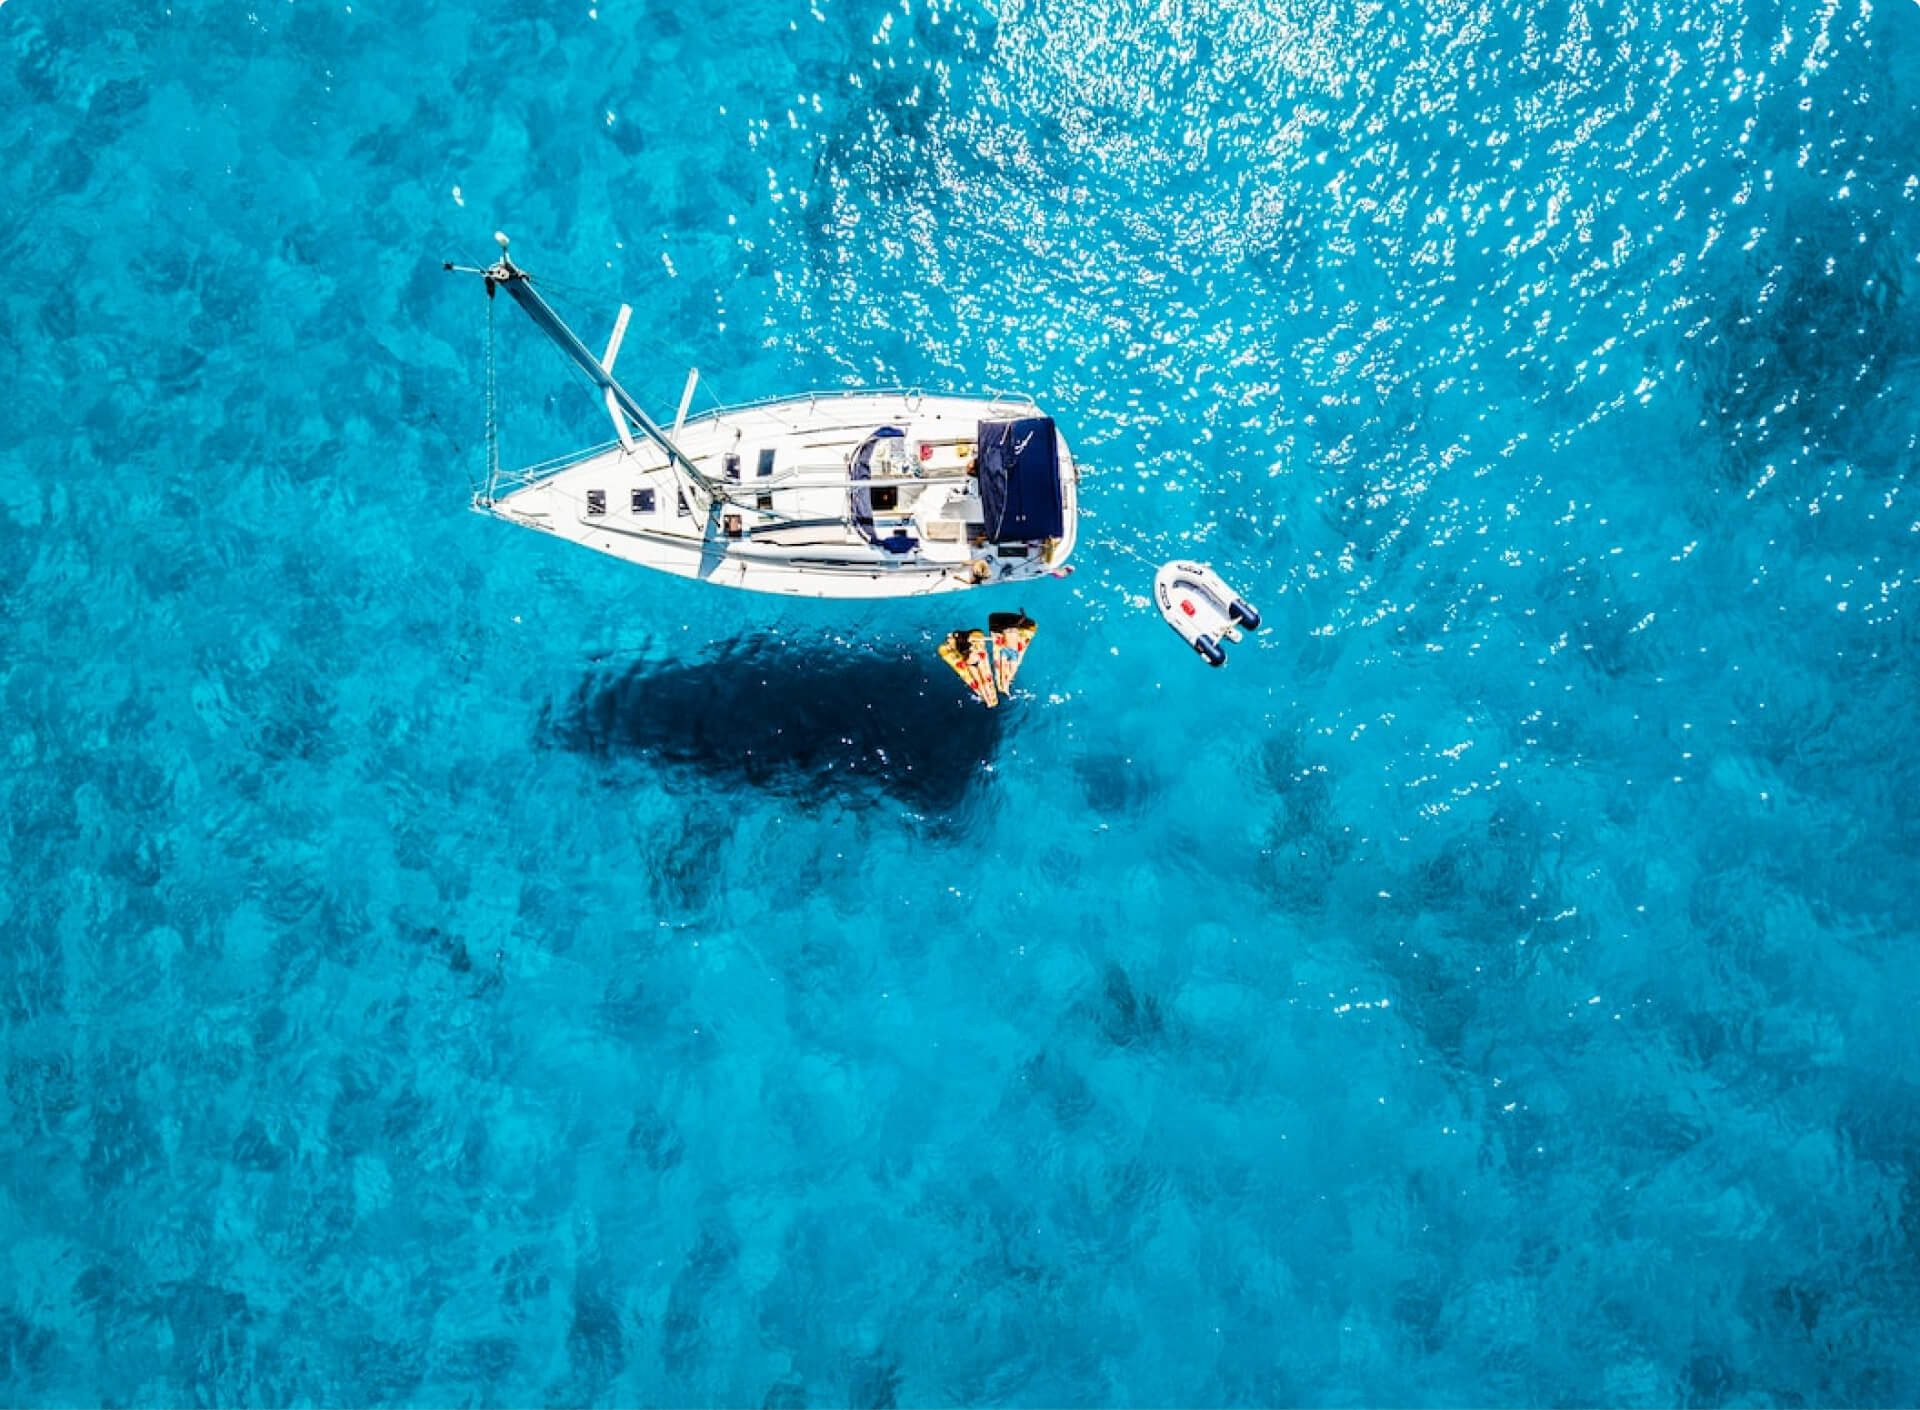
x=1020, y=480
x=859, y=474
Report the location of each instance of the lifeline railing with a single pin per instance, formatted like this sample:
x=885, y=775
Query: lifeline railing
x=528, y=475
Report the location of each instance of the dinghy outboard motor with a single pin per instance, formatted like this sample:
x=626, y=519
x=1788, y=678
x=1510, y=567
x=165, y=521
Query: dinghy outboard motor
x=1204, y=610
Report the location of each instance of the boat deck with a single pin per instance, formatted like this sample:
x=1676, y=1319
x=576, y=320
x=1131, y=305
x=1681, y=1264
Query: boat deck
x=786, y=519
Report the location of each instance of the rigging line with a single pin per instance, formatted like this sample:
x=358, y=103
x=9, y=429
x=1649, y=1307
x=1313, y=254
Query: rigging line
x=709, y=395
x=459, y=451
x=705, y=393
x=715, y=490
x=493, y=428
x=567, y=303
x=573, y=292
x=1111, y=542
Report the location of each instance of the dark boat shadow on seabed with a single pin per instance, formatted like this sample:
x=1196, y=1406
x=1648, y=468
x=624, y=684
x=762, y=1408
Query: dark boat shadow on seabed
x=817, y=720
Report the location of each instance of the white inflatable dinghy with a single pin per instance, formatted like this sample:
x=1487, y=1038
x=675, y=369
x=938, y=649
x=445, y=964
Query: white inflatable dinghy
x=1205, y=611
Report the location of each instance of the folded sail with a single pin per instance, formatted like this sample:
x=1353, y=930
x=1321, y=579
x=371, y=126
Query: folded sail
x=1020, y=493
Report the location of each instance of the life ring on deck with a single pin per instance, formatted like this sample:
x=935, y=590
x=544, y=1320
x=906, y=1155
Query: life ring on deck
x=1202, y=609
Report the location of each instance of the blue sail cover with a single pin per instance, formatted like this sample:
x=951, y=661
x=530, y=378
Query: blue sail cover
x=1020, y=480
x=860, y=497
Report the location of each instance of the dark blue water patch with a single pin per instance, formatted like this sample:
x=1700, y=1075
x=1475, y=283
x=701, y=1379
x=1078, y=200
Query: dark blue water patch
x=1124, y=1016
x=657, y=1141
x=144, y=865
x=813, y=721
x=1485, y=881
x=386, y=146
x=882, y=132
x=43, y=806
x=35, y=963
x=1708, y=1381
x=552, y=908
x=1812, y=316
x=1881, y=1125
x=125, y=1143
x=101, y=1295
x=211, y=1326
x=683, y=1331
x=416, y=1127
x=1049, y=1078
x=1796, y=1305
x=1116, y=786
x=109, y=107
x=256, y=1151
x=385, y=1371
x=58, y=320
x=450, y=949
x=481, y=1362
x=524, y=1278
x=682, y=864
x=287, y=705
x=596, y=1337
x=874, y=1383
x=1586, y=610
x=292, y=889
x=785, y=1309
x=1439, y=998
x=1301, y=844
x=1294, y=873
x=27, y=1356
x=1804, y=349
x=356, y=1114
x=41, y=1089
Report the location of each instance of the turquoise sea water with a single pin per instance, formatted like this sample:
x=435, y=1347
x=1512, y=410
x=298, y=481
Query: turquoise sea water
x=441, y=966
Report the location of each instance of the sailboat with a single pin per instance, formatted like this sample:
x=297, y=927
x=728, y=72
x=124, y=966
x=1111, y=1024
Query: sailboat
x=839, y=494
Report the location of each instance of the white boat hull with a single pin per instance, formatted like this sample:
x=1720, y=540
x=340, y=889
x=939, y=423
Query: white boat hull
x=789, y=522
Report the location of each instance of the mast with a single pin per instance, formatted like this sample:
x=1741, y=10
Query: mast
x=505, y=274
